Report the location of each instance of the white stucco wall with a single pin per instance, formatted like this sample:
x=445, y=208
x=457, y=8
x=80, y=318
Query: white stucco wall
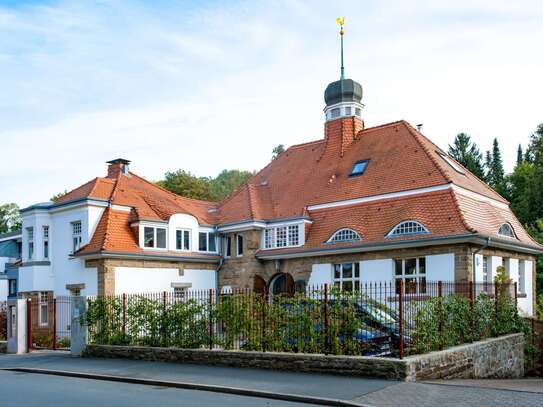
x=320, y=274
x=526, y=304
x=440, y=267
x=3, y=290
x=376, y=270
x=134, y=280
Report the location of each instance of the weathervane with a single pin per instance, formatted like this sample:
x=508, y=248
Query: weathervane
x=341, y=22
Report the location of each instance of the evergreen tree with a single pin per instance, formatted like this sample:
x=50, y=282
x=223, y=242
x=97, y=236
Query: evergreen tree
x=468, y=154
x=520, y=156
x=10, y=219
x=277, y=150
x=495, y=173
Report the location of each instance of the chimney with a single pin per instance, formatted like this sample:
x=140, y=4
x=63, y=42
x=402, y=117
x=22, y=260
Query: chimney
x=116, y=167
x=340, y=133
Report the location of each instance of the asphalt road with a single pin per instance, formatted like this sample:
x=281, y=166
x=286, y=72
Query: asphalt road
x=32, y=390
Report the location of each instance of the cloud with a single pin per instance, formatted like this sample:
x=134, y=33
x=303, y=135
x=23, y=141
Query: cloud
x=207, y=86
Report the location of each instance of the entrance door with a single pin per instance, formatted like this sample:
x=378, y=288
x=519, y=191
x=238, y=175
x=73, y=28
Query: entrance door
x=282, y=284
x=49, y=320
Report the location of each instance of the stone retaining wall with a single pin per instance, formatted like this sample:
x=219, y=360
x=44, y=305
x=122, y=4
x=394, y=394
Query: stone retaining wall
x=3, y=347
x=498, y=357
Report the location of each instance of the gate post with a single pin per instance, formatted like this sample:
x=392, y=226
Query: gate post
x=17, y=326
x=78, y=331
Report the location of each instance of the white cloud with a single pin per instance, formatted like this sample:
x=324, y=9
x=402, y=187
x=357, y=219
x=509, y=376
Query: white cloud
x=210, y=86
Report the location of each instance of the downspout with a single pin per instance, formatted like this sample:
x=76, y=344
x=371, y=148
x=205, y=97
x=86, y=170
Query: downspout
x=221, y=263
x=473, y=263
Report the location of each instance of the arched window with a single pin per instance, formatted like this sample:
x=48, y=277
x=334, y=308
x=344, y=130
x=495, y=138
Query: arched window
x=506, y=230
x=408, y=227
x=344, y=235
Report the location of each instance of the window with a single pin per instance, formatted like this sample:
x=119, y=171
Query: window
x=335, y=113
x=451, y=162
x=46, y=242
x=409, y=227
x=239, y=245
x=344, y=235
x=30, y=235
x=207, y=242
x=358, y=168
x=76, y=236
x=348, y=110
x=182, y=239
x=43, y=305
x=506, y=231
x=12, y=287
x=180, y=293
x=282, y=236
x=485, y=269
x=347, y=276
x=154, y=238
x=357, y=111
x=522, y=276
x=413, y=273
x=227, y=246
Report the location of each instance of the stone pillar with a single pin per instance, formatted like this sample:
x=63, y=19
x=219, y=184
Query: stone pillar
x=17, y=329
x=78, y=331
x=106, y=278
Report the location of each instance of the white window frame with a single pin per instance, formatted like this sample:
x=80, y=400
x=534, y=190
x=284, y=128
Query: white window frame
x=30, y=242
x=339, y=236
x=420, y=229
x=155, y=237
x=46, y=248
x=420, y=288
x=282, y=236
x=43, y=303
x=77, y=228
x=189, y=241
x=452, y=163
x=208, y=233
x=339, y=279
x=507, y=226
x=485, y=269
x=227, y=246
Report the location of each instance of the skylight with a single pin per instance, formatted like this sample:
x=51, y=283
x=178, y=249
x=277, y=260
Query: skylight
x=452, y=163
x=506, y=230
x=358, y=168
x=344, y=235
x=408, y=227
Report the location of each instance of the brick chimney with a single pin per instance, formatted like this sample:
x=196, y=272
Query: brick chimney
x=116, y=167
x=340, y=133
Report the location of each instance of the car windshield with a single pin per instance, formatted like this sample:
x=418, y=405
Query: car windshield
x=378, y=314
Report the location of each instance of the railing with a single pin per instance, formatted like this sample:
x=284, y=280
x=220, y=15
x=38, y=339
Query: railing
x=3, y=320
x=378, y=319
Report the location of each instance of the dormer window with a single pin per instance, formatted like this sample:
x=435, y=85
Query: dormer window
x=154, y=238
x=407, y=228
x=506, y=231
x=282, y=236
x=207, y=242
x=358, y=168
x=344, y=235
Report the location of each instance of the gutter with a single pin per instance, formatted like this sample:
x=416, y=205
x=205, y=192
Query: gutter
x=99, y=255
x=465, y=238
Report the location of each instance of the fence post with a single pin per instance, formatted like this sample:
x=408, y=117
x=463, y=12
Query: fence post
x=124, y=315
x=440, y=296
x=29, y=324
x=54, y=323
x=210, y=316
x=496, y=298
x=516, y=295
x=326, y=321
x=264, y=305
x=401, y=318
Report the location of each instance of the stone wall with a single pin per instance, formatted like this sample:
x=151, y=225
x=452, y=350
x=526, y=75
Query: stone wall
x=494, y=358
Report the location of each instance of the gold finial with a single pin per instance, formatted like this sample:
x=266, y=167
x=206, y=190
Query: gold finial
x=341, y=23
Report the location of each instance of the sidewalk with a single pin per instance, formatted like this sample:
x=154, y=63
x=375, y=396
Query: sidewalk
x=354, y=391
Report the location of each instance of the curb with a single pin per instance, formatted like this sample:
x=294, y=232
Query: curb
x=322, y=401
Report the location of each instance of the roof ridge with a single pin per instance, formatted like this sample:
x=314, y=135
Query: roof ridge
x=304, y=144
x=250, y=199
x=80, y=186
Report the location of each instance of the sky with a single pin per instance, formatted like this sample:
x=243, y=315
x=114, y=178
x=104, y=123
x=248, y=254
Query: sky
x=208, y=85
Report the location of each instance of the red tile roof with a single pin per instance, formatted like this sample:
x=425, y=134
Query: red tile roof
x=400, y=159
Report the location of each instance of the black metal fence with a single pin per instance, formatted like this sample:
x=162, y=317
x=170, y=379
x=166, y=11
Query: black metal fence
x=3, y=320
x=49, y=321
x=377, y=319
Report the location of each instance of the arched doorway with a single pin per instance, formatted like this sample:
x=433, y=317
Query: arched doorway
x=259, y=285
x=282, y=283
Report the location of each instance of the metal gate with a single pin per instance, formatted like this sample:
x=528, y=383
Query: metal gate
x=48, y=321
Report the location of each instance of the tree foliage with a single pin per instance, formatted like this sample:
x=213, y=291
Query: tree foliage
x=468, y=154
x=186, y=184
x=495, y=174
x=55, y=198
x=10, y=219
x=277, y=150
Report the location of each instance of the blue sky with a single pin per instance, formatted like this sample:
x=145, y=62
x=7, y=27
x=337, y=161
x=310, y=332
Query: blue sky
x=210, y=85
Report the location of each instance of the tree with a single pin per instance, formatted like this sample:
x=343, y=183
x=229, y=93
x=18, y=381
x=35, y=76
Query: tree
x=10, y=218
x=55, y=198
x=227, y=182
x=468, y=154
x=185, y=184
x=520, y=156
x=494, y=166
x=278, y=150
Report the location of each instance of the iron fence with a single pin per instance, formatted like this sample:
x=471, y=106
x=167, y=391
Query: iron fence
x=377, y=319
x=48, y=321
